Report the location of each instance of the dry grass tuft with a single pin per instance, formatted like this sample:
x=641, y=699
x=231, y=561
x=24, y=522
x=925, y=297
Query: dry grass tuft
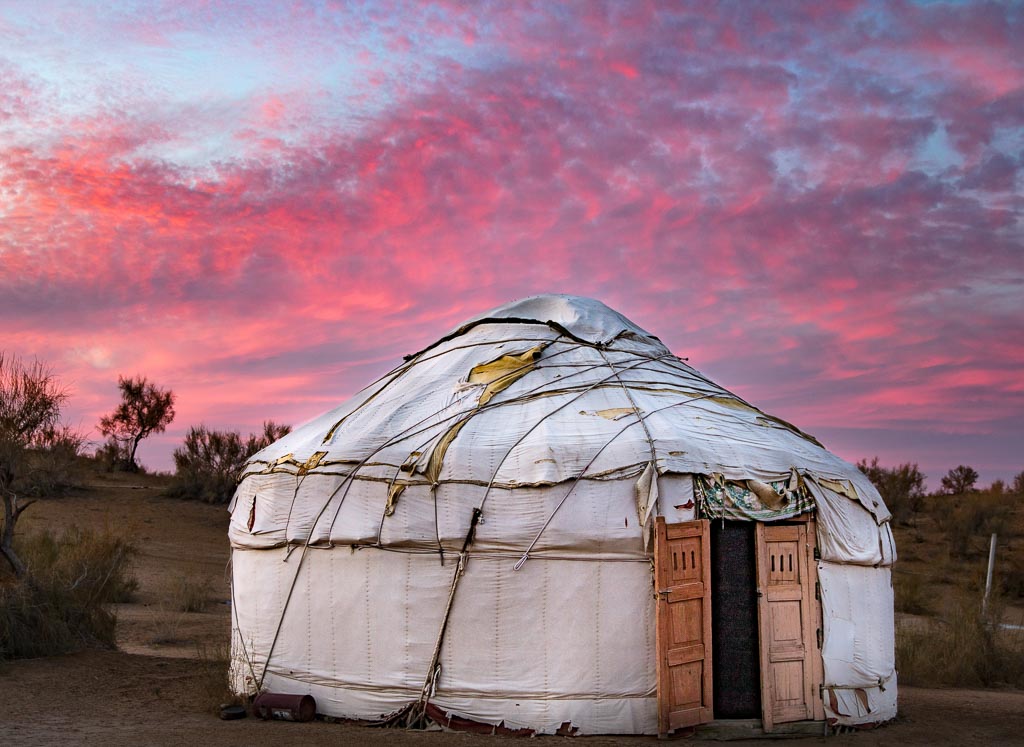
x=190, y=593
x=186, y=593
x=166, y=625
x=963, y=648
x=912, y=593
x=213, y=674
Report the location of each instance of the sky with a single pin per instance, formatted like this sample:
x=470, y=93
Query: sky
x=264, y=206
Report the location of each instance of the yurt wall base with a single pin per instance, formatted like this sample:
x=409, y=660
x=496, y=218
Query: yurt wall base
x=553, y=634
x=858, y=647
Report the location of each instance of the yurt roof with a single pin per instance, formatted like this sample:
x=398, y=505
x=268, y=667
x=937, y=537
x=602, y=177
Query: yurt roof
x=546, y=390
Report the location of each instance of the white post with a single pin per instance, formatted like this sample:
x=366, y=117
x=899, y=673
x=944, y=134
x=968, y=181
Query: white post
x=988, y=577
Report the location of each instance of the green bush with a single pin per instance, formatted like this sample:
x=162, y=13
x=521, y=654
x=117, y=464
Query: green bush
x=61, y=606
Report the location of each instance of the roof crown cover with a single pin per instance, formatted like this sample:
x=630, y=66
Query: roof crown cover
x=586, y=319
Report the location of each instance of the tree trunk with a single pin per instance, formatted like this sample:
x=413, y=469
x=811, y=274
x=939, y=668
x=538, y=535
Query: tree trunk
x=11, y=513
x=132, y=466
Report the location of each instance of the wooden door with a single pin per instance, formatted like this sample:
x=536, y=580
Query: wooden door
x=682, y=572
x=789, y=619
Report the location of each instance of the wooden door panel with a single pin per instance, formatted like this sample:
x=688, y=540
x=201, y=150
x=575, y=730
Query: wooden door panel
x=683, y=623
x=786, y=633
x=685, y=655
x=789, y=618
x=782, y=570
x=686, y=684
x=685, y=554
x=789, y=680
x=686, y=623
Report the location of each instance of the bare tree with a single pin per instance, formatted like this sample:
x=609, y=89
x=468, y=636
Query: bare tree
x=31, y=399
x=145, y=409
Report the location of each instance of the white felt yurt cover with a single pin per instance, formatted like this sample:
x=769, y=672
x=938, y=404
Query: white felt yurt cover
x=563, y=428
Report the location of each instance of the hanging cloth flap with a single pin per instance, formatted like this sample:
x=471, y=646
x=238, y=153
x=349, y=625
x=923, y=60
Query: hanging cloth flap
x=646, y=498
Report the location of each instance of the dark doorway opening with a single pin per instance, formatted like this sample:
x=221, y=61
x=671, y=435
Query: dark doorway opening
x=734, y=628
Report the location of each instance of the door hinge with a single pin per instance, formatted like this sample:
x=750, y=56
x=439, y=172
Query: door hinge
x=817, y=590
x=821, y=637
x=817, y=553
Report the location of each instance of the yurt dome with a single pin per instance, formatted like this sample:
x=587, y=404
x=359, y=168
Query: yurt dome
x=546, y=521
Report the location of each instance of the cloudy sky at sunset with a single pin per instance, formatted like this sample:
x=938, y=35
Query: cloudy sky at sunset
x=265, y=205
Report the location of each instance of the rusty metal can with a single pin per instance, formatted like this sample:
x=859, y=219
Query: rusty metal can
x=284, y=706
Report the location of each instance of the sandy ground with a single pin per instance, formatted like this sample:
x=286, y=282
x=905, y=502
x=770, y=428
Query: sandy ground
x=153, y=690
x=115, y=698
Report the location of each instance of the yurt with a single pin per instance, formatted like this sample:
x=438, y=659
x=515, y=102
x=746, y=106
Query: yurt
x=546, y=522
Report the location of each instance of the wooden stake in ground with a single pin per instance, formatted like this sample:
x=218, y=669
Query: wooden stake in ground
x=988, y=577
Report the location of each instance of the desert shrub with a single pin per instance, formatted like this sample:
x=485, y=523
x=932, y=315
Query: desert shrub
x=209, y=462
x=959, y=535
x=1018, y=484
x=1010, y=575
x=911, y=593
x=100, y=562
x=61, y=606
x=111, y=456
x=964, y=649
x=52, y=466
x=968, y=522
x=901, y=487
x=207, y=465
